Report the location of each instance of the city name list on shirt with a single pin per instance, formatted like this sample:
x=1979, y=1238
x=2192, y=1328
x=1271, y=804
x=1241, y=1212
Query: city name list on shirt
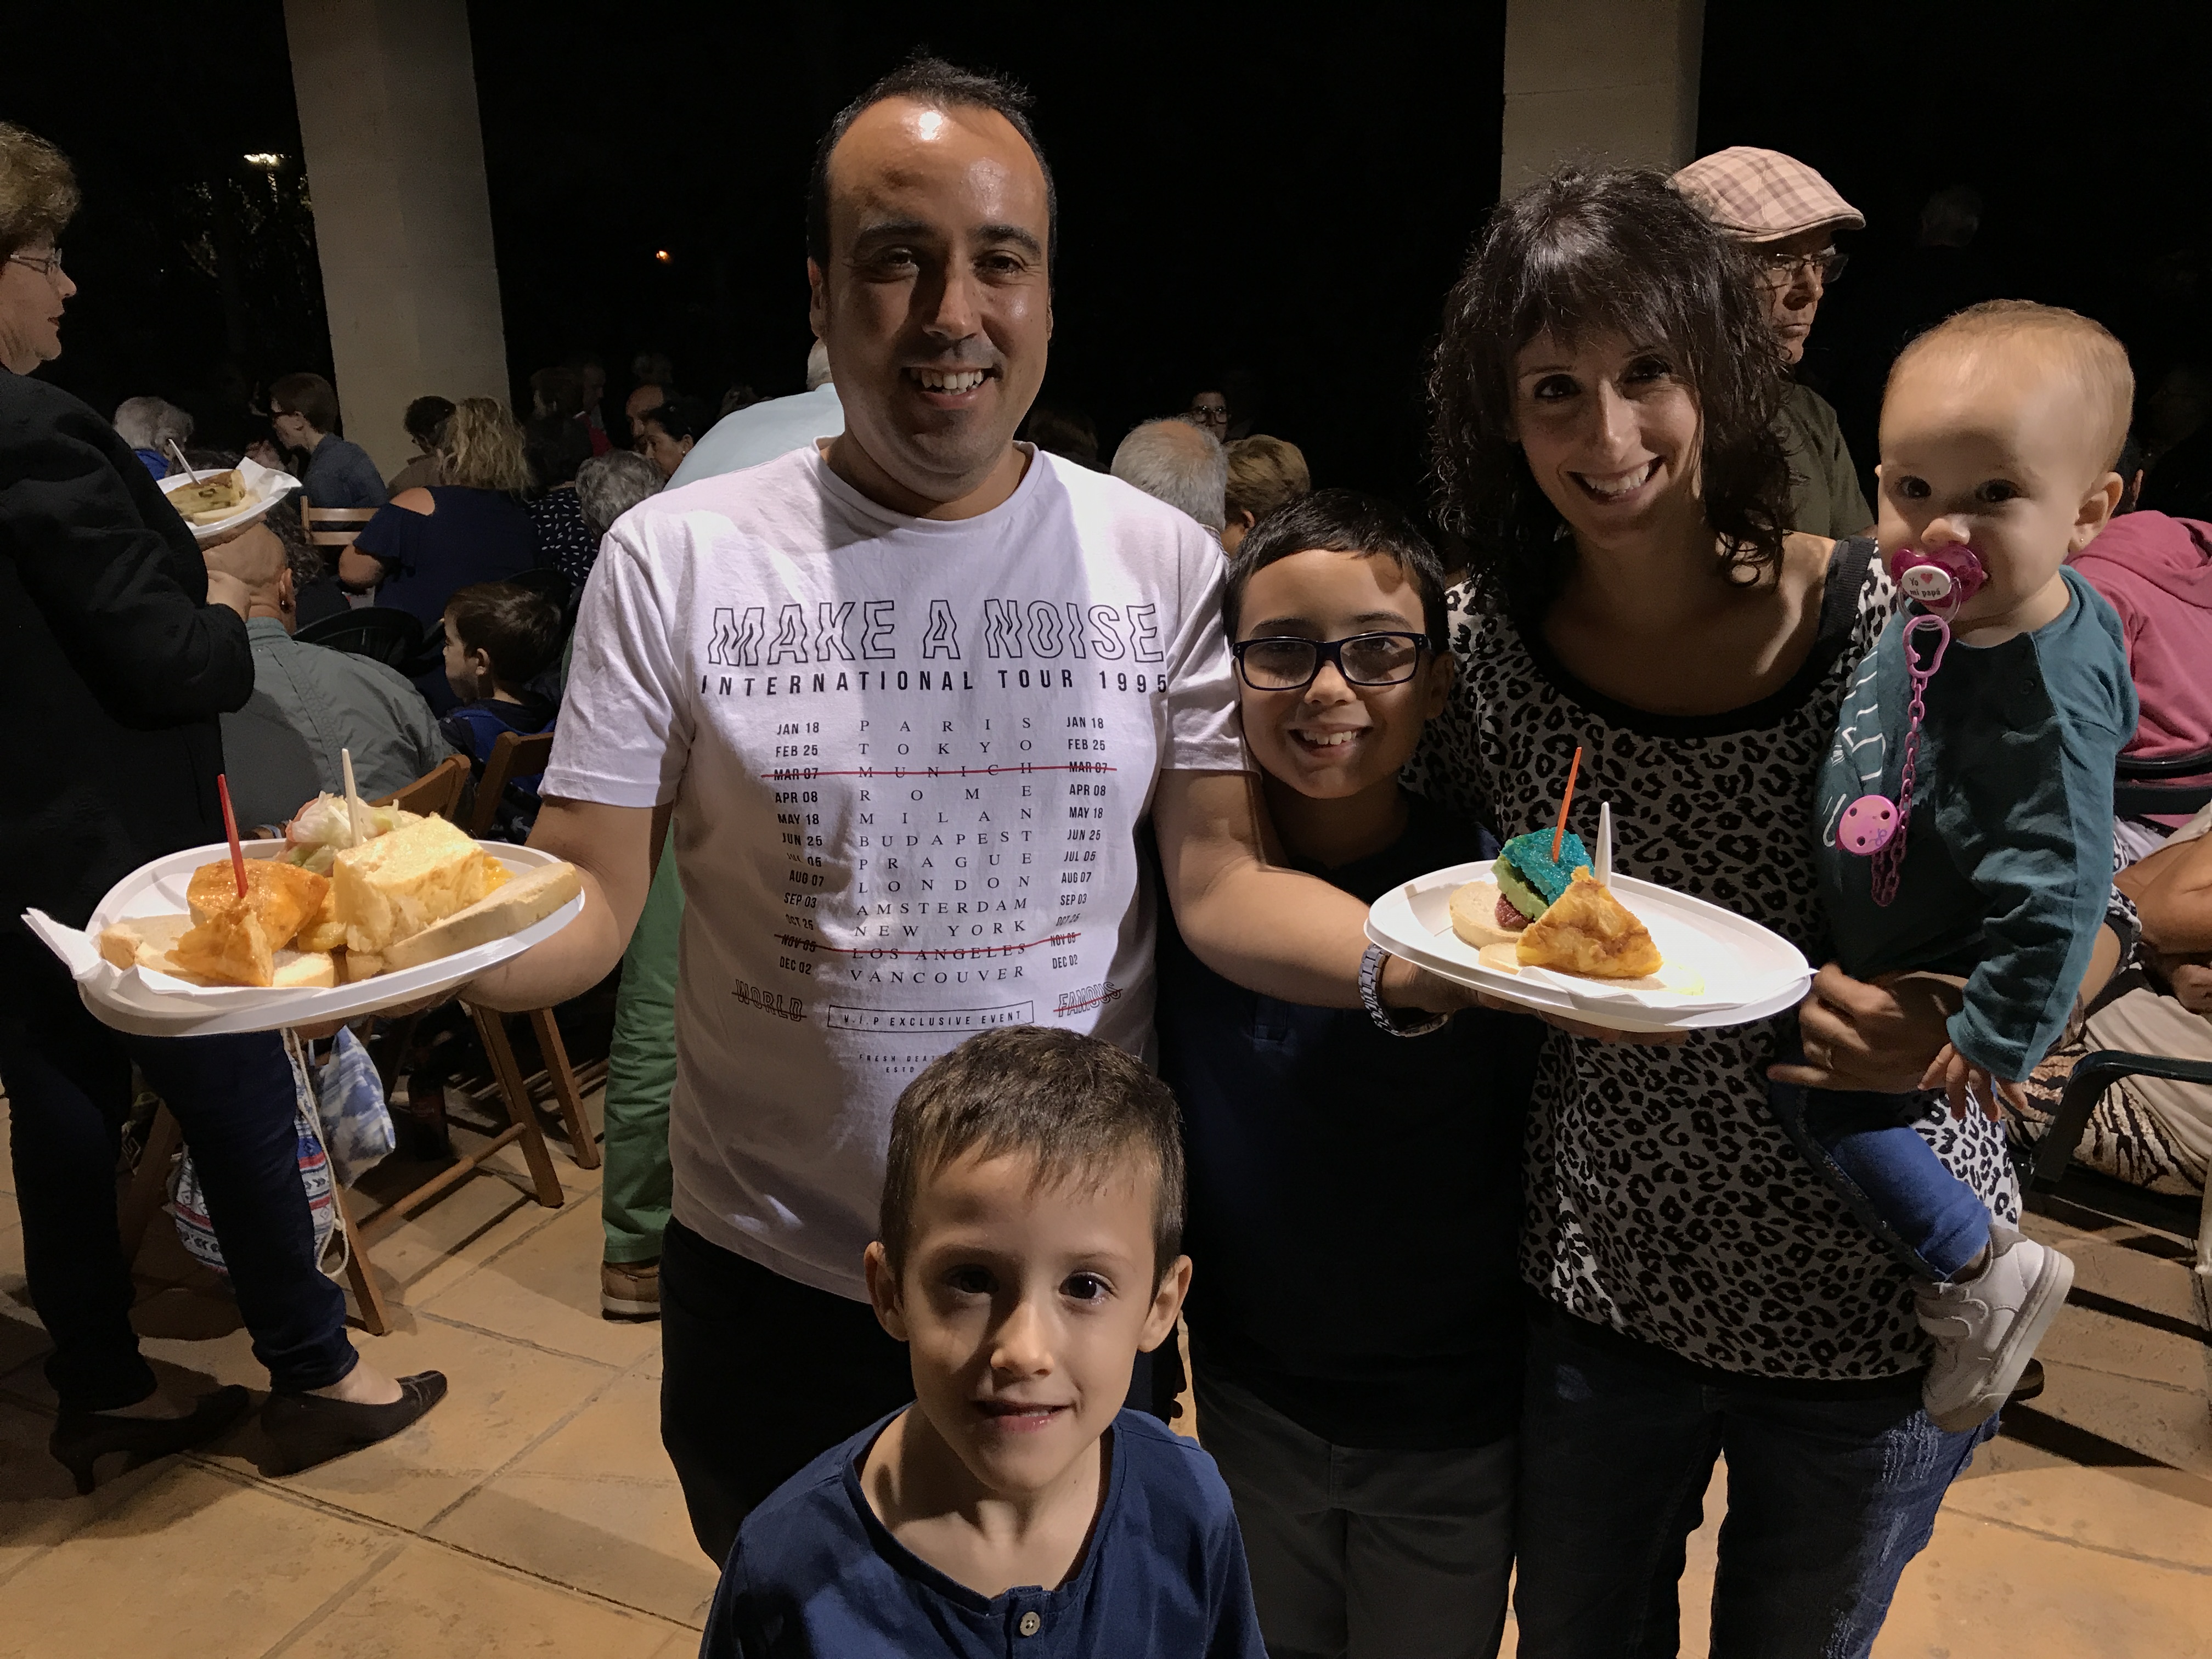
x=910, y=760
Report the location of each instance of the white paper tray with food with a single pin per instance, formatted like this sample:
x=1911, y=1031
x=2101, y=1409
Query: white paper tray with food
x=220, y=501
x=411, y=909
x=1557, y=932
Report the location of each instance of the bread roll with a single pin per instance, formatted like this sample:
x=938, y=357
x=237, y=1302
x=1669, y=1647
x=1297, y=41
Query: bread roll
x=524, y=900
x=1474, y=915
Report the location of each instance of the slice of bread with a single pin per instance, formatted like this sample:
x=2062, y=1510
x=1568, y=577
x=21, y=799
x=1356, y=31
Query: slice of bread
x=301, y=969
x=524, y=900
x=1474, y=914
x=142, y=941
x=393, y=886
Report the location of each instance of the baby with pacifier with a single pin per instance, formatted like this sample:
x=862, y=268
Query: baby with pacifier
x=1964, y=809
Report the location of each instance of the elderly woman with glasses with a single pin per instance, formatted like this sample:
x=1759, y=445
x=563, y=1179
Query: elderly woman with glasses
x=1784, y=217
x=123, y=649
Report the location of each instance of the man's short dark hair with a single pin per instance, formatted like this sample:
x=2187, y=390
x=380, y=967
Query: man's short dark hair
x=308, y=396
x=425, y=418
x=1342, y=521
x=1078, y=1108
x=933, y=82
x=516, y=627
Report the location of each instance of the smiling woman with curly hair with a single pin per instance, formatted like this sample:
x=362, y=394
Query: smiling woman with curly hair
x=1604, y=393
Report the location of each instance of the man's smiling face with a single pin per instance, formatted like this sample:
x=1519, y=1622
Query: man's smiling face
x=936, y=304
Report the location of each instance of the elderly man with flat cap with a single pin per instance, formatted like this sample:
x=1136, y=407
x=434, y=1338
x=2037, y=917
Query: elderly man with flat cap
x=1787, y=216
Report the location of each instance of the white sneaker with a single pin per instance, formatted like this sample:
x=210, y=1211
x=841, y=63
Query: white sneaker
x=1986, y=1327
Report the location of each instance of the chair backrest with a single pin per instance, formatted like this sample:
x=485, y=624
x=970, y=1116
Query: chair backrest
x=388, y=635
x=513, y=756
x=2140, y=787
x=437, y=791
x=333, y=526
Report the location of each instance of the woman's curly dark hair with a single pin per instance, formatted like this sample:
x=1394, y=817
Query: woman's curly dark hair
x=1616, y=250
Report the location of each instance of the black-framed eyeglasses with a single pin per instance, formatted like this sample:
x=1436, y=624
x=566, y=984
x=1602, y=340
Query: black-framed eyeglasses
x=1784, y=267
x=45, y=263
x=1289, y=665
x=1203, y=412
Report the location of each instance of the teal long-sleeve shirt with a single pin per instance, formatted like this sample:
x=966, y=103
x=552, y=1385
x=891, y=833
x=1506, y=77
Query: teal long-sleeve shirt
x=2008, y=860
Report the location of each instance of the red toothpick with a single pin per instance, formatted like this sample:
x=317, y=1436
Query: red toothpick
x=1558, y=835
x=230, y=828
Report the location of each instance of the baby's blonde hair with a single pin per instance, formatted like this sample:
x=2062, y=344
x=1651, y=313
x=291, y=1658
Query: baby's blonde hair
x=2081, y=346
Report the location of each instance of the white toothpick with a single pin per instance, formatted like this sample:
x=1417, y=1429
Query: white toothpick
x=1605, y=843
x=357, y=809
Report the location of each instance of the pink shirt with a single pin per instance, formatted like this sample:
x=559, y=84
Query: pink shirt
x=2157, y=573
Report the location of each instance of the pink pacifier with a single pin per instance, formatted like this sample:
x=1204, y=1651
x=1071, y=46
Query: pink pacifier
x=1942, y=580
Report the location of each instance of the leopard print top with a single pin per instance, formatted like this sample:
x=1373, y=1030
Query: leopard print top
x=1663, y=1199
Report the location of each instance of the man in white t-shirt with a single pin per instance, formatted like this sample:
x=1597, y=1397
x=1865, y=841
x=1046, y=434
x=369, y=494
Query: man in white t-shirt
x=911, y=697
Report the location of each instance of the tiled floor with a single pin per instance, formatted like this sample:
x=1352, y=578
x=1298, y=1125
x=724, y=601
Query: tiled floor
x=535, y=1513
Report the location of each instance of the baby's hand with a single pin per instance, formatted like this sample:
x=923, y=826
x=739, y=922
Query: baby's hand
x=1961, y=1081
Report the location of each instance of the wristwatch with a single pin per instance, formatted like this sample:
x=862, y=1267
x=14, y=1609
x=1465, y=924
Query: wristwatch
x=1370, y=983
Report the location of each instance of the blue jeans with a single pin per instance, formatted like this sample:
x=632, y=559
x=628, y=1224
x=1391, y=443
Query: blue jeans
x=1864, y=1148
x=1827, y=1500
x=67, y=1079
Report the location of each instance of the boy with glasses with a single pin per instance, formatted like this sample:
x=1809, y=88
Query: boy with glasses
x=1786, y=216
x=1355, y=1197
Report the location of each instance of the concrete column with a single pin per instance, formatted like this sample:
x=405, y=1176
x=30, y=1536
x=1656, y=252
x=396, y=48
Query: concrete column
x=1601, y=81
x=387, y=97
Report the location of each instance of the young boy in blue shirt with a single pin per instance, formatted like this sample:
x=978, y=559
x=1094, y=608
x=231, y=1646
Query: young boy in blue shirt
x=1030, y=1248
x=499, y=636
x=1357, y=1328
x=1975, y=840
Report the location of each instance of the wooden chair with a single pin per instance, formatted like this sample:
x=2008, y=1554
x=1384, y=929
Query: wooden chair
x=333, y=527
x=512, y=757
x=437, y=792
x=515, y=756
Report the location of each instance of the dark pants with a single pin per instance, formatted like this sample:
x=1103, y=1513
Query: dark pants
x=67, y=1079
x=1827, y=1501
x=1863, y=1145
x=761, y=1374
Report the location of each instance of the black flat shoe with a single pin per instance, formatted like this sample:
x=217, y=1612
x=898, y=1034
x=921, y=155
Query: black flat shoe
x=307, y=1429
x=82, y=1438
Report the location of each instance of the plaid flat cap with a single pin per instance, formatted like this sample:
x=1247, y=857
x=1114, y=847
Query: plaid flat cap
x=1762, y=195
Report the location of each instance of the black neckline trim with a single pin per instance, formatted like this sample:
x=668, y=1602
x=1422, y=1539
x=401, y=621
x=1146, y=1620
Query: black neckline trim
x=1838, y=620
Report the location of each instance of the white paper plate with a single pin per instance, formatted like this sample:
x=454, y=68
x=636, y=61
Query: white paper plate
x=1749, y=972
x=155, y=1005
x=264, y=487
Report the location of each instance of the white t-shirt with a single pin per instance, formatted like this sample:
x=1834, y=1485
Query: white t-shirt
x=910, y=760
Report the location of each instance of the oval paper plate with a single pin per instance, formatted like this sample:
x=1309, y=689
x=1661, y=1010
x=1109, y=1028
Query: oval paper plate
x=155, y=1004
x=264, y=489
x=1749, y=973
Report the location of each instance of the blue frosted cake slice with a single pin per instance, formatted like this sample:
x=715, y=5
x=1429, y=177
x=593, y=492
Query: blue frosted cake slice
x=1529, y=878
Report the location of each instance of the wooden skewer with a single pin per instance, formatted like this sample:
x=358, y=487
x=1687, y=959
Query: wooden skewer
x=1559, y=835
x=356, y=808
x=230, y=828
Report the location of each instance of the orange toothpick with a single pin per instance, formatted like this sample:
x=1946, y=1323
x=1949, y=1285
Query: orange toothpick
x=1559, y=835
x=230, y=828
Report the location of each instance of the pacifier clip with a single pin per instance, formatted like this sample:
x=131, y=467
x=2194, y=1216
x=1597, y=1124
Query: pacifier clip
x=1874, y=826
